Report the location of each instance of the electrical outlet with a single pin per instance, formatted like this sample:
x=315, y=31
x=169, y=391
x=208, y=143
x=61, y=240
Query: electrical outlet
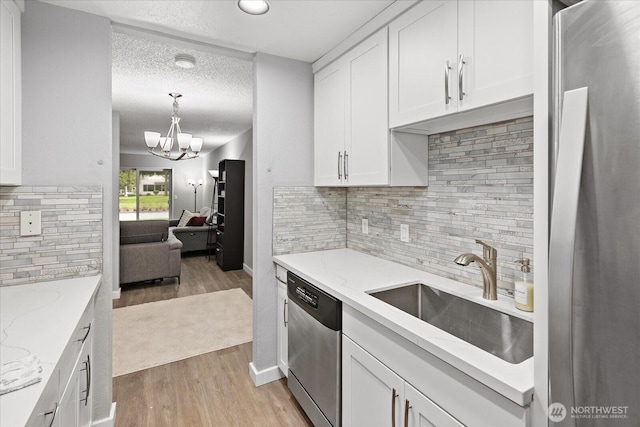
x=30, y=223
x=404, y=232
x=365, y=226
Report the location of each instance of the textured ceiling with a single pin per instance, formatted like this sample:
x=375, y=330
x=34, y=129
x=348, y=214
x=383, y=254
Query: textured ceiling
x=216, y=102
x=217, y=93
x=299, y=29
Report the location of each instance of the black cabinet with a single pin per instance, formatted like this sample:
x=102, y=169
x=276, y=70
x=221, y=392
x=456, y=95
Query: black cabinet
x=230, y=218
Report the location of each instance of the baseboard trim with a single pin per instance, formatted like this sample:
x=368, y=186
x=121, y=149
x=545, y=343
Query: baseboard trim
x=246, y=268
x=264, y=376
x=115, y=294
x=109, y=421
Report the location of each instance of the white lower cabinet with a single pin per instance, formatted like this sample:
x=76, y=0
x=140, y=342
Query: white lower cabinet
x=76, y=401
x=420, y=411
x=389, y=381
x=373, y=395
x=67, y=399
x=282, y=333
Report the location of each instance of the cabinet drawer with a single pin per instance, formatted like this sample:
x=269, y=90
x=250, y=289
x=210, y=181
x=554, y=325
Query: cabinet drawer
x=43, y=413
x=81, y=335
x=220, y=238
x=281, y=273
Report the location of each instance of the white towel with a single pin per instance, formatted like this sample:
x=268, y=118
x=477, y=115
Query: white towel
x=20, y=374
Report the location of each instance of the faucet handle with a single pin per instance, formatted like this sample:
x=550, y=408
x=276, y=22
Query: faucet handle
x=483, y=243
x=488, y=252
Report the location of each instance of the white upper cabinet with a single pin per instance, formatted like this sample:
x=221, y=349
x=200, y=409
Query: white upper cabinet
x=422, y=57
x=351, y=128
x=11, y=99
x=352, y=143
x=329, y=123
x=367, y=141
x=447, y=56
x=496, y=40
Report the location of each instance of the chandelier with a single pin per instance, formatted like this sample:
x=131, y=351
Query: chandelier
x=188, y=147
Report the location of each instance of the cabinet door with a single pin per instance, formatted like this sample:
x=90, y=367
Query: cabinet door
x=329, y=123
x=85, y=398
x=11, y=100
x=420, y=411
x=371, y=392
x=69, y=400
x=421, y=44
x=367, y=141
x=282, y=332
x=496, y=41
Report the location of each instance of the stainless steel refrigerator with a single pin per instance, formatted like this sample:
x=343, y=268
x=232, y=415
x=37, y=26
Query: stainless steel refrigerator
x=594, y=252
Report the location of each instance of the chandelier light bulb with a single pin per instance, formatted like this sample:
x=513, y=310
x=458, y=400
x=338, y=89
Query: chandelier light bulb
x=184, y=139
x=196, y=145
x=152, y=139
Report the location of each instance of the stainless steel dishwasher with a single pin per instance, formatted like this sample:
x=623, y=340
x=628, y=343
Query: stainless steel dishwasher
x=315, y=324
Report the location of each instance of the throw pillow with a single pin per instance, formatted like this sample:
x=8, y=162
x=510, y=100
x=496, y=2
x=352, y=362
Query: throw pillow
x=196, y=221
x=185, y=217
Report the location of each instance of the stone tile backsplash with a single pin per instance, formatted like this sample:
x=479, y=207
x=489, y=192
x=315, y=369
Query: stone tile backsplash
x=308, y=219
x=480, y=187
x=71, y=241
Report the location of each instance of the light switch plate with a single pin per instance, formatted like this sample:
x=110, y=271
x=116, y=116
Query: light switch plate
x=404, y=232
x=30, y=223
x=365, y=226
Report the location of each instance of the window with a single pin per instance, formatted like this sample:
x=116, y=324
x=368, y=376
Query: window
x=145, y=194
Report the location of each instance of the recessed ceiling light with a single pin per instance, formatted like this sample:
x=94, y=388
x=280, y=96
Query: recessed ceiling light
x=254, y=7
x=185, y=61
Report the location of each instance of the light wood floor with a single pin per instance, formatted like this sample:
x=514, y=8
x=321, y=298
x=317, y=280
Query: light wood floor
x=213, y=389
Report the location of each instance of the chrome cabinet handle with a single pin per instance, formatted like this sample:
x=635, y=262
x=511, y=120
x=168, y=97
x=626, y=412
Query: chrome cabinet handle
x=87, y=370
x=88, y=328
x=406, y=412
x=447, y=68
x=460, y=67
x=346, y=165
x=339, y=165
x=393, y=407
x=53, y=412
x=284, y=313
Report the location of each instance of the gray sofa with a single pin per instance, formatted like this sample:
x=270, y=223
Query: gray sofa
x=192, y=238
x=148, y=251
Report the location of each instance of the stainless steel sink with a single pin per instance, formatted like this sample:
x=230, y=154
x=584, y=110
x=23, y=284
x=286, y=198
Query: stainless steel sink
x=507, y=337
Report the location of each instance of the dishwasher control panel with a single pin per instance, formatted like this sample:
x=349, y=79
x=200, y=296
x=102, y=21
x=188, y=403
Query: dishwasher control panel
x=320, y=305
x=307, y=296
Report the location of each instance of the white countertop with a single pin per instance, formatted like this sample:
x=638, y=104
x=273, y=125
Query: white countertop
x=38, y=318
x=348, y=275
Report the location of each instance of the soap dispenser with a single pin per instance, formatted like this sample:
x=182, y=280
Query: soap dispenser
x=523, y=289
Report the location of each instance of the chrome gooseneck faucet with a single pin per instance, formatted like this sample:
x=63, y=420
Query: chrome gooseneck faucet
x=487, y=266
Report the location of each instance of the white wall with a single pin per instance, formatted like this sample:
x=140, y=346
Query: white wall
x=282, y=156
x=182, y=171
x=240, y=148
x=66, y=72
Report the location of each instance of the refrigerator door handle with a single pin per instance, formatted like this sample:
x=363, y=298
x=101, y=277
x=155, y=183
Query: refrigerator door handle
x=561, y=246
